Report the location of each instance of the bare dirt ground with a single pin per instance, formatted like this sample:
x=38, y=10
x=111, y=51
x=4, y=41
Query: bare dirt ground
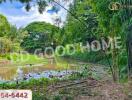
x=91, y=89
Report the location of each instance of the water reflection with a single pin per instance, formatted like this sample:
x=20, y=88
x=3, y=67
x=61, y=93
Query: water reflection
x=28, y=72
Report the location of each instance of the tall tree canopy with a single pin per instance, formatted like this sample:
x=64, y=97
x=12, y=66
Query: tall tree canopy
x=113, y=23
x=40, y=35
x=81, y=23
x=4, y=26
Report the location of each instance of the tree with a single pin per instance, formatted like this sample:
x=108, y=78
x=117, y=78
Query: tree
x=129, y=50
x=12, y=34
x=112, y=22
x=5, y=45
x=126, y=17
x=81, y=23
x=4, y=26
x=40, y=35
x=4, y=29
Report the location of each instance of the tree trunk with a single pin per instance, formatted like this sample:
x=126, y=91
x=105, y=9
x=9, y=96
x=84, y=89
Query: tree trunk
x=129, y=50
x=115, y=65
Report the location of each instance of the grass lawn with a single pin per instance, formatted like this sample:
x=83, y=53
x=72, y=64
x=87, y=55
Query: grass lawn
x=23, y=59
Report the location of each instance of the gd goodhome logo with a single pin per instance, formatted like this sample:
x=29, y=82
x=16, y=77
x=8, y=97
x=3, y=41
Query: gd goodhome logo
x=71, y=49
x=118, y=6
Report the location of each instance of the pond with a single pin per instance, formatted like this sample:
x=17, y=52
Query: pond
x=26, y=72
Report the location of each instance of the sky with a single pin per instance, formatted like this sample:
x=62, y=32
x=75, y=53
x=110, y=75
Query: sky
x=17, y=15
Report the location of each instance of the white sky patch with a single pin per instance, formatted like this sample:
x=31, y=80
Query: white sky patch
x=33, y=15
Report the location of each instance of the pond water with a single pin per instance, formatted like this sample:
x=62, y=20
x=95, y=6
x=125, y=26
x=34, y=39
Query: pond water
x=45, y=74
x=36, y=71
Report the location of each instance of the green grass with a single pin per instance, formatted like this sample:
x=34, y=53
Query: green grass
x=23, y=59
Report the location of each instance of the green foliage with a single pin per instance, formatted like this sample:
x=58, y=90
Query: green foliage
x=5, y=45
x=37, y=96
x=83, y=24
x=23, y=59
x=4, y=26
x=40, y=35
x=88, y=18
x=57, y=97
x=12, y=34
x=8, y=36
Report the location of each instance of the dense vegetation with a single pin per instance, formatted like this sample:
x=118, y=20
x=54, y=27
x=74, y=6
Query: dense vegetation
x=87, y=20
x=41, y=35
